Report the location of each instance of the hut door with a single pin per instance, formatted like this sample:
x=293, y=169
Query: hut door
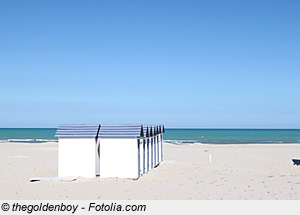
x=144, y=151
x=148, y=154
x=98, y=158
x=139, y=157
x=151, y=153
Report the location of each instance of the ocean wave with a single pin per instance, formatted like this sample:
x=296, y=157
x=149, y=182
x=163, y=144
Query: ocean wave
x=179, y=142
x=182, y=142
x=176, y=142
x=28, y=140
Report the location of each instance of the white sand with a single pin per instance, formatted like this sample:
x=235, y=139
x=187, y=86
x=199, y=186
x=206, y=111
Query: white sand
x=236, y=172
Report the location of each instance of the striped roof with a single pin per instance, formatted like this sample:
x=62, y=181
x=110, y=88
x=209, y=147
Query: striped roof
x=96, y=130
x=121, y=131
x=146, y=131
x=153, y=129
x=77, y=131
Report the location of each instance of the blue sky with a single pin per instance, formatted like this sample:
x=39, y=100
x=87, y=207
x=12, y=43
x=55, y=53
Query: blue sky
x=206, y=64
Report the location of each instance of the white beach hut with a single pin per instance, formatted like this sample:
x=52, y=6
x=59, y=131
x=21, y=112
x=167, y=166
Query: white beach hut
x=151, y=140
x=144, y=152
x=161, y=130
x=78, y=150
x=158, y=146
x=141, y=156
x=155, y=146
x=157, y=155
x=146, y=142
x=161, y=142
x=120, y=150
x=147, y=148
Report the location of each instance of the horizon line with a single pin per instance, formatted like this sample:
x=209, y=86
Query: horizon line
x=217, y=128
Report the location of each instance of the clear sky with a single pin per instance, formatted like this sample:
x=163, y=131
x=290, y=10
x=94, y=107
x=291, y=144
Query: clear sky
x=206, y=64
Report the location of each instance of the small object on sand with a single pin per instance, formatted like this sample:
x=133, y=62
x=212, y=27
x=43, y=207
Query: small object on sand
x=209, y=158
x=296, y=161
x=17, y=156
x=52, y=178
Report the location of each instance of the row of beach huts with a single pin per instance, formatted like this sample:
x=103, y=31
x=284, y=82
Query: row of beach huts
x=118, y=151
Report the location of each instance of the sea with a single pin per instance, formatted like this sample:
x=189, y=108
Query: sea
x=174, y=136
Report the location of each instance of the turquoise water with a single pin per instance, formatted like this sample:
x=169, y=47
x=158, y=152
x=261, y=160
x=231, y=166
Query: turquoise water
x=27, y=134
x=176, y=136
x=232, y=136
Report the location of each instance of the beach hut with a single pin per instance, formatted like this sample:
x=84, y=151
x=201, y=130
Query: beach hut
x=161, y=130
x=154, y=146
x=120, y=150
x=147, y=149
x=151, y=138
x=161, y=142
x=157, y=146
x=143, y=152
x=78, y=150
x=141, y=155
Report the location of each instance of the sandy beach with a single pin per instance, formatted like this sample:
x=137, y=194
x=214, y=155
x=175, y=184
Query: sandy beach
x=235, y=172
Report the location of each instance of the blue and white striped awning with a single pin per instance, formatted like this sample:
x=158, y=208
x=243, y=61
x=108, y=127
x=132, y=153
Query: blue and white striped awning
x=153, y=129
x=163, y=129
x=146, y=131
x=77, y=130
x=121, y=131
x=108, y=131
